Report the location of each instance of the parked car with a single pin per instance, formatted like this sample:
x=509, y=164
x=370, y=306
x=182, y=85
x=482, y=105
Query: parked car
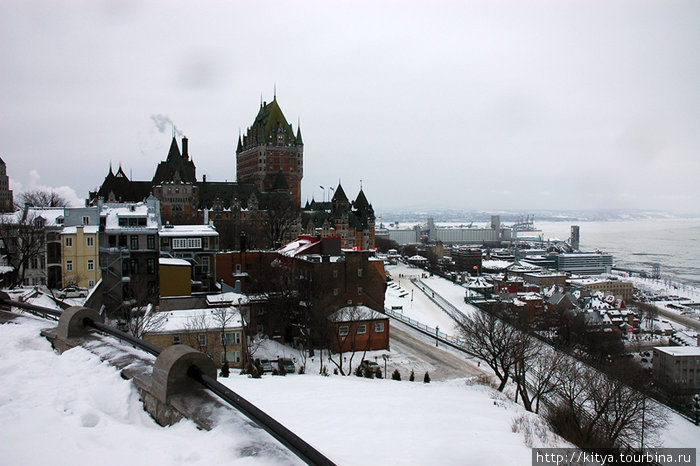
x=370, y=366
x=287, y=364
x=265, y=364
x=71, y=292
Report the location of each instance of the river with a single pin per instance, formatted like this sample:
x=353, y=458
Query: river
x=674, y=244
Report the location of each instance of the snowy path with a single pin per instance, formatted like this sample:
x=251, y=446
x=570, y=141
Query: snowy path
x=423, y=356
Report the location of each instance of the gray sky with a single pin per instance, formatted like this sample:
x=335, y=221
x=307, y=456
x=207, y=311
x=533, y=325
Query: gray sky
x=470, y=105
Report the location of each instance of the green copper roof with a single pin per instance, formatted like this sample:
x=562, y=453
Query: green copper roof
x=268, y=123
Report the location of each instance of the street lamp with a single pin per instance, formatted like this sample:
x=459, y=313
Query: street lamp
x=437, y=334
x=385, y=357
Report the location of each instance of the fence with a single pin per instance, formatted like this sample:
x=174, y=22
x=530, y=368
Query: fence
x=286, y=437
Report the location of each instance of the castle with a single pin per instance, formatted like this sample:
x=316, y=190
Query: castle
x=263, y=203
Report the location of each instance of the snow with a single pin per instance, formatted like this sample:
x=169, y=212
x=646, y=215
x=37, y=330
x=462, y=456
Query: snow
x=170, y=261
x=360, y=421
x=91, y=229
x=187, y=230
x=199, y=319
x=679, y=350
x=414, y=303
x=75, y=409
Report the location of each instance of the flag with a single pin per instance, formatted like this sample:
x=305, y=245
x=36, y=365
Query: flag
x=322, y=187
x=331, y=188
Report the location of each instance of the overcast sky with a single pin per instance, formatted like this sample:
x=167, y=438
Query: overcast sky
x=468, y=105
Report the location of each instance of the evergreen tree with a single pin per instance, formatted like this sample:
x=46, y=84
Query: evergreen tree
x=396, y=375
x=426, y=378
x=412, y=377
x=225, y=369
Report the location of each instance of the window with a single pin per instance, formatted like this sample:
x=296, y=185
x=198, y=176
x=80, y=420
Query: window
x=359, y=290
x=134, y=241
x=35, y=263
x=343, y=330
x=69, y=266
x=379, y=327
x=335, y=274
x=231, y=356
x=134, y=266
x=91, y=283
x=86, y=220
x=205, y=264
x=362, y=329
x=238, y=268
x=69, y=242
x=335, y=291
x=194, y=243
x=151, y=242
x=164, y=243
x=202, y=339
x=90, y=264
x=179, y=243
x=176, y=339
x=90, y=241
x=231, y=338
x=125, y=267
x=151, y=266
x=359, y=272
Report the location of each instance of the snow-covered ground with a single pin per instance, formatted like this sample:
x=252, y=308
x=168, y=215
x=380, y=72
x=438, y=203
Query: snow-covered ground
x=361, y=421
x=74, y=409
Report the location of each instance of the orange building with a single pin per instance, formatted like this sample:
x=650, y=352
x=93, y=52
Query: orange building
x=359, y=328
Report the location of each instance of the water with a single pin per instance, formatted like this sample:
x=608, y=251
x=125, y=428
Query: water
x=639, y=244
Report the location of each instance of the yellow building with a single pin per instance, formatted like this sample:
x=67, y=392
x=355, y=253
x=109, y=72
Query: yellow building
x=616, y=288
x=203, y=330
x=80, y=255
x=174, y=275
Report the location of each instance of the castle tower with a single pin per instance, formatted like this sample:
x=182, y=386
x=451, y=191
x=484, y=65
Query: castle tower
x=270, y=150
x=6, y=200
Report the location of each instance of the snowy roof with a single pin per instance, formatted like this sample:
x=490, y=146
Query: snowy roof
x=113, y=212
x=49, y=214
x=6, y=268
x=206, y=319
x=495, y=264
x=227, y=298
x=188, y=230
x=297, y=246
x=355, y=313
x=679, y=350
x=87, y=229
x=170, y=261
x=417, y=257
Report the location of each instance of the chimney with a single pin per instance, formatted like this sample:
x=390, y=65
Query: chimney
x=185, y=155
x=243, y=245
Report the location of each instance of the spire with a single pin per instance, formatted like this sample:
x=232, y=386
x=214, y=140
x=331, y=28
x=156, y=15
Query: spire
x=174, y=150
x=274, y=92
x=240, y=144
x=299, y=141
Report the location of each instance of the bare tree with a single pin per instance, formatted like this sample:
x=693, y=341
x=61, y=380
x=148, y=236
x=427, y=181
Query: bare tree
x=196, y=329
x=350, y=316
x=537, y=375
x=495, y=342
x=42, y=198
x=223, y=317
x=282, y=219
x=140, y=315
x=22, y=238
x=593, y=410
